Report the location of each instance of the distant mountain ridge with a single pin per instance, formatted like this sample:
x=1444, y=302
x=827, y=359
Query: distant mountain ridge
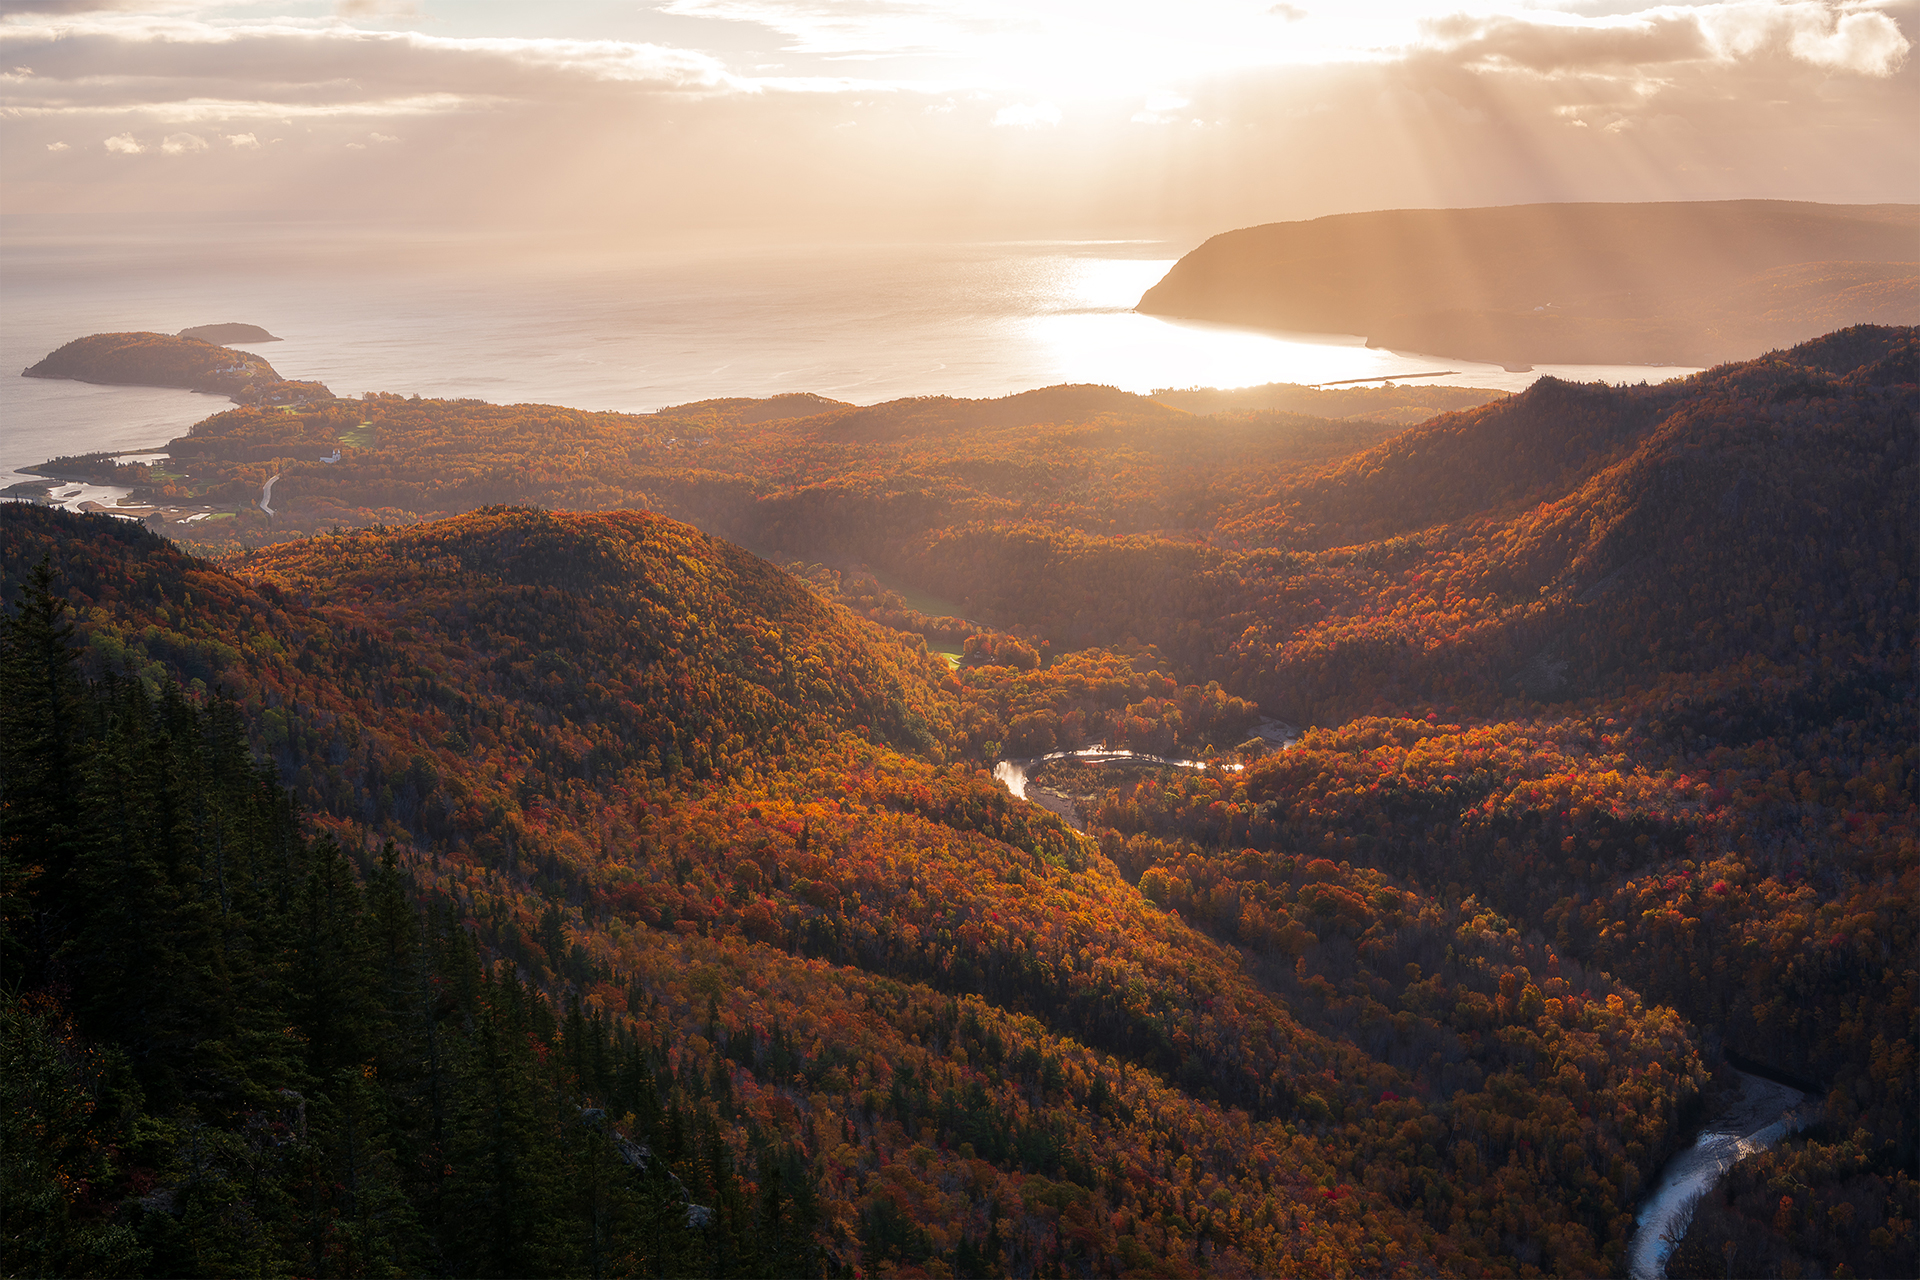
x=1670, y=283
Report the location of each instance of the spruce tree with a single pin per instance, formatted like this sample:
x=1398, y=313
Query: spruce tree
x=41, y=759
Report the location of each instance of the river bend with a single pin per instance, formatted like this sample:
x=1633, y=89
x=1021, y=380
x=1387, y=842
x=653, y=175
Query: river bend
x=1763, y=1114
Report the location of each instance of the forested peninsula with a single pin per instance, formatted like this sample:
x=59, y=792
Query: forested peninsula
x=1668, y=283
x=167, y=360
x=493, y=867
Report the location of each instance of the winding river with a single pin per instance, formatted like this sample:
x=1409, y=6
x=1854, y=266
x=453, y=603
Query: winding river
x=1762, y=1114
x=1014, y=772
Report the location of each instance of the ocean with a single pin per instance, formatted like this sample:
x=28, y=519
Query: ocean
x=636, y=331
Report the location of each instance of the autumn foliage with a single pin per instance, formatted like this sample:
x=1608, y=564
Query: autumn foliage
x=1610, y=783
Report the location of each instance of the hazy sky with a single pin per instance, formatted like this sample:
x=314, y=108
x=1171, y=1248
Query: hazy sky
x=583, y=118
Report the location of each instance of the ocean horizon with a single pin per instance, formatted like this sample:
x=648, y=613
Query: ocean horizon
x=646, y=330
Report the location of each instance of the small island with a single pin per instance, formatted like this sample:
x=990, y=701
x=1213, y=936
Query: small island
x=167, y=360
x=227, y=334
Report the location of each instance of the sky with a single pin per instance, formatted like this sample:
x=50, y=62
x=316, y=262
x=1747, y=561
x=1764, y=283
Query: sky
x=583, y=121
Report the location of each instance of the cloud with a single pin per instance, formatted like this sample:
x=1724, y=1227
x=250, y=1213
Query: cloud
x=229, y=111
x=179, y=144
x=1749, y=98
x=1558, y=46
x=8, y=8
x=1021, y=115
x=1867, y=44
x=186, y=70
x=392, y=10
x=1054, y=47
x=1862, y=42
x=865, y=27
x=58, y=146
x=1851, y=37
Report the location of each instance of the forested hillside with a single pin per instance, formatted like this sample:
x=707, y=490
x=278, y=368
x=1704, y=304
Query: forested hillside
x=1610, y=780
x=227, y=1052
x=986, y=1046
x=1313, y=566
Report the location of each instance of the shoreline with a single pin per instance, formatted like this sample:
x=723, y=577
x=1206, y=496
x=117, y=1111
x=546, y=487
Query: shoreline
x=1763, y=1112
x=1427, y=346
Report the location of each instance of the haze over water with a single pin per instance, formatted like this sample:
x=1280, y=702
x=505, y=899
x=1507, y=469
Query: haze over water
x=856, y=323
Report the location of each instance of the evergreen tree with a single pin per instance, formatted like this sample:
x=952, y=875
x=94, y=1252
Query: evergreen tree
x=332, y=984
x=41, y=758
x=54, y=1135
x=497, y=1193
x=263, y=1068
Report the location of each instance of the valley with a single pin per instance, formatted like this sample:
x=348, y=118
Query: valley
x=1605, y=775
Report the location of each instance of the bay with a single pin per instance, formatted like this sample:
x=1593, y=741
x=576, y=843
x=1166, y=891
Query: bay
x=633, y=331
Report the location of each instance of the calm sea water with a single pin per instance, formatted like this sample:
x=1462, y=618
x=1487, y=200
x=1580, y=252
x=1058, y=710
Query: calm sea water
x=636, y=332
